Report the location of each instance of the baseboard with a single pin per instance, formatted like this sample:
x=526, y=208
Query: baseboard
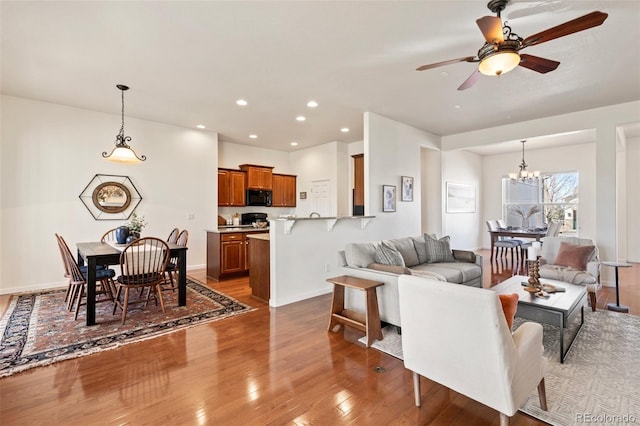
x=34, y=287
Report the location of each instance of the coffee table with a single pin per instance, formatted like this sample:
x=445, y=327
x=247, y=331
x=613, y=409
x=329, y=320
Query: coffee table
x=559, y=310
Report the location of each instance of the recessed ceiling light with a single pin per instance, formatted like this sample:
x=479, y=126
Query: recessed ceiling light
x=312, y=104
x=345, y=130
x=252, y=136
x=444, y=74
x=457, y=107
x=300, y=118
x=201, y=126
x=294, y=143
x=241, y=102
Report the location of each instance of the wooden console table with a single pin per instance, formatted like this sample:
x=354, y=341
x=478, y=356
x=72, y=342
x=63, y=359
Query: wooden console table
x=369, y=322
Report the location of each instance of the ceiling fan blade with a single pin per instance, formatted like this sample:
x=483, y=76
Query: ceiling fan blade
x=585, y=22
x=491, y=27
x=452, y=61
x=471, y=80
x=538, y=64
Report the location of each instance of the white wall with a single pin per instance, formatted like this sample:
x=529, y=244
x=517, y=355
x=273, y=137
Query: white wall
x=49, y=153
x=431, y=191
x=465, y=168
x=633, y=199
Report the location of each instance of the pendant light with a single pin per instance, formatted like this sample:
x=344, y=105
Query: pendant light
x=123, y=153
x=523, y=175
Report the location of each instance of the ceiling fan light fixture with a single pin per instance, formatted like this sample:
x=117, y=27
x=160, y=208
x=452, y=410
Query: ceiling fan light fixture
x=499, y=62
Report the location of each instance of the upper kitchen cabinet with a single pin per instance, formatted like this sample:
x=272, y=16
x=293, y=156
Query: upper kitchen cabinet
x=258, y=177
x=231, y=187
x=284, y=191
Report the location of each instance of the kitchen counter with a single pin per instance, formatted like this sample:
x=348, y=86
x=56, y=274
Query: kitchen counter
x=239, y=228
x=264, y=236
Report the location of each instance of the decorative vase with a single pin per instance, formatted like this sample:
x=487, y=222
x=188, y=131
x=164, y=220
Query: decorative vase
x=131, y=238
x=122, y=232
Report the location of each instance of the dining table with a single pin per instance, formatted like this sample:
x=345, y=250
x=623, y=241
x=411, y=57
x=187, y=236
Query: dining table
x=101, y=253
x=516, y=233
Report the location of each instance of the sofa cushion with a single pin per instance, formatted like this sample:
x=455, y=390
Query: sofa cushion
x=360, y=255
x=427, y=274
x=452, y=275
x=509, y=304
x=438, y=250
x=406, y=248
x=394, y=269
x=574, y=256
x=387, y=255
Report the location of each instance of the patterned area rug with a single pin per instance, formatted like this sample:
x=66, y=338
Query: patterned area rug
x=599, y=382
x=37, y=329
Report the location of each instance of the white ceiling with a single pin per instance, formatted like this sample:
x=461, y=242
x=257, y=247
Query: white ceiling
x=187, y=63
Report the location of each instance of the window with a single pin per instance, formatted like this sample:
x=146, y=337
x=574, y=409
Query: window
x=537, y=203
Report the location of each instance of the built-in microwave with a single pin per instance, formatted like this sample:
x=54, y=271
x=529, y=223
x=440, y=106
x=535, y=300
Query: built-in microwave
x=258, y=197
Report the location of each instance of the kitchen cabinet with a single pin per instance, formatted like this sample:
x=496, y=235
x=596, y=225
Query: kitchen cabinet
x=231, y=187
x=227, y=254
x=284, y=191
x=258, y=177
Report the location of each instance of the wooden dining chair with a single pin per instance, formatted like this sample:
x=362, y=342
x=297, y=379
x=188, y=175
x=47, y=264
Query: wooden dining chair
x=78, y=280
x=109, y=236
x=171, y=273
x=173, y=236
x=143, y=263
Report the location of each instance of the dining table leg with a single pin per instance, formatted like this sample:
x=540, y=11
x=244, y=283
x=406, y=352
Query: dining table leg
x=182, y=278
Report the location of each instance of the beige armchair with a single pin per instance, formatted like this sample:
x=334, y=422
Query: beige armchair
x=573, y=260
x=458, y=336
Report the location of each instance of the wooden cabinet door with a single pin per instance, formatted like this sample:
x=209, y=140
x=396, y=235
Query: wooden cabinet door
x=237, y=191
x=266, y=178
x=277, y=196
x=232, y=253
x=289, y=191
x=223, y=188
x=284, y=191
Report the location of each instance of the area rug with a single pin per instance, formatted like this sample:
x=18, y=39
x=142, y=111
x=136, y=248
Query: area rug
x=37, y=329
x=598, y=383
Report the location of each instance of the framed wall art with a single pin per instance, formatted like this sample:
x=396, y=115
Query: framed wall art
x=461, y=198
x=388, y=198
x=406, y=193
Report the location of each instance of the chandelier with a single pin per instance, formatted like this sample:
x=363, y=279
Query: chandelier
x=123, y=153
x=523, y=175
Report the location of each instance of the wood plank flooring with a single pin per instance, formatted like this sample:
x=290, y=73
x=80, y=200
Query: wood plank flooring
x=268, y=367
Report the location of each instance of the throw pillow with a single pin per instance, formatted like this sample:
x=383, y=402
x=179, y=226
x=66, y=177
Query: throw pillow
x=388, y=256
x=574, y=256
x=509, y=306
x=438, y=250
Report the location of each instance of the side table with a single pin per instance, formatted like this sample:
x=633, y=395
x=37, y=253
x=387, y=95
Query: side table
x=370, y=321
x=617, y=306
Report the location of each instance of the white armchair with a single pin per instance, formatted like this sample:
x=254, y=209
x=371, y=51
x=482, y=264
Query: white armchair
x=577, y=265
x=458, y=336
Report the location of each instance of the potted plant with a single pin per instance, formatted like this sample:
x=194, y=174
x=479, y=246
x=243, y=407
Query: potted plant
x=135, y=226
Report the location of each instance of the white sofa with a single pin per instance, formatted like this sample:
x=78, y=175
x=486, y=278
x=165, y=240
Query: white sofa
x=359, y=260
x=555, y=268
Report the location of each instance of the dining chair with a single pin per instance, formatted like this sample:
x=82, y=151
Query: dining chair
x=78, y=279
x=143, y=263
x=171, y=273
x=501, y=246
x=173, y=236
x=108, y=236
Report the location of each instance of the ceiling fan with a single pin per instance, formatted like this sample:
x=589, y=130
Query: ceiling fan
x=501, y=51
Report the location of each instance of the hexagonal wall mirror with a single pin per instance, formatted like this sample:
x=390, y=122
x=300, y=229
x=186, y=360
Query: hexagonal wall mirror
x=110, y=197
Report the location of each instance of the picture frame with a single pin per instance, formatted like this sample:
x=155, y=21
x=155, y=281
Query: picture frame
x=110, y=197
x=388, y=198
x=461, y=198
x=406, y=192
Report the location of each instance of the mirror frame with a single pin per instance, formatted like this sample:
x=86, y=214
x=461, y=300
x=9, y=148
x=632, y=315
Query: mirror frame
x=89, y=197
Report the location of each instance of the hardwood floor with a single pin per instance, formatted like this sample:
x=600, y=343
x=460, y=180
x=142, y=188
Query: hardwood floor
x=270, y=366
